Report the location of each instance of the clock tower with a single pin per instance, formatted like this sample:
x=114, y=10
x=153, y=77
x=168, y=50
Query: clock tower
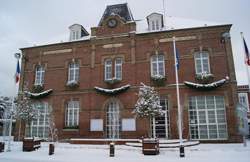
x=116, y=20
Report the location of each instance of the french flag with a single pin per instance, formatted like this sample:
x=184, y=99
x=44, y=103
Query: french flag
x=246, y=53
x=17, y=76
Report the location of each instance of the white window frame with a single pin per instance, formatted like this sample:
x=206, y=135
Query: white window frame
x=196, y=111
x=157, y=62
x=75, y=69
x=113, y=120
x=199, y=56
x=108, y=69
x=244, y=95
x=72, y=114
x=118, y=65
x=39, y=77
x=44, y=117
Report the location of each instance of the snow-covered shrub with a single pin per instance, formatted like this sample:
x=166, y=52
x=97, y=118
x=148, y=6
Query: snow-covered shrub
x=204, y=77
x=158, y=80
x=37, y=88
x=112, y=81
x=148, y=103
x=72, y=84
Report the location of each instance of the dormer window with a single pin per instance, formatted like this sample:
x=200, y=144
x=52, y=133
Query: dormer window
x=155, y=21
x=77, y=31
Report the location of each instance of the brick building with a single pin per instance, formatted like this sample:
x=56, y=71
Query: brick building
x=91, y=81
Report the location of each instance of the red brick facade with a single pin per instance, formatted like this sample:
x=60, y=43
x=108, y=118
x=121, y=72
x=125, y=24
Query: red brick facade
x=136, y=50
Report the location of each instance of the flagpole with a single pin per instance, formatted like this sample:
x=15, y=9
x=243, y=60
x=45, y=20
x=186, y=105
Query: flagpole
x=246, y=65
x=178, y=99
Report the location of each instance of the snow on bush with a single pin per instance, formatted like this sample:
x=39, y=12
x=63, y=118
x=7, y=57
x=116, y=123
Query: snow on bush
x=148, y=103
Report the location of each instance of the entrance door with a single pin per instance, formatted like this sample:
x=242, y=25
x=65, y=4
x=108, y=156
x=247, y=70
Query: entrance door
x=113, y=120
x=161, y=123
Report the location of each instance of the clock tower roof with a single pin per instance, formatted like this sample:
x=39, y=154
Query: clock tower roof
x=121, y=10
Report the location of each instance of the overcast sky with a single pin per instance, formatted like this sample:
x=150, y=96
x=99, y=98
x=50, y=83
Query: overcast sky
x=29, y=22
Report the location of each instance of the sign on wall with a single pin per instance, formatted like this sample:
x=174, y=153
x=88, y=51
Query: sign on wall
x=128, y=124
x=96, y=125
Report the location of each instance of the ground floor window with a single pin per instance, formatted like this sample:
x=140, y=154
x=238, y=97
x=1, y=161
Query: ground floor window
x=39, y=127
x=72, y=114
x=207, y=117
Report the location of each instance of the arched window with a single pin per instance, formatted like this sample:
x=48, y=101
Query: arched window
x=202, y=62
x=113, y=120
x=157, y=65
x=72, y=114
x=39, y=78
x=73, y=74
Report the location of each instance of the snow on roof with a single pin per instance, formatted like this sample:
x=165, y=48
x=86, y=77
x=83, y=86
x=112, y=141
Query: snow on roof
x=174, y=23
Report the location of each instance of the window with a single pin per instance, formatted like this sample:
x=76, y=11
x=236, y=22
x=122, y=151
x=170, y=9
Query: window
x=113, y=120
x=72, y=114
x=157, y=25
x=73, y=74
x=153, y=25
x=39, y=79
x=243, y=99
x=118, y=68
x=40, y=126
x=207, y=117
x=117, y=71
x=157, y=65
x=108, y=69
x=202, y=63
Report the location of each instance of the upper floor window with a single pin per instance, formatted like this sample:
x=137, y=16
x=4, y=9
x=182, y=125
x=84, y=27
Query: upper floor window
x=73, y=74
x=117, y=69
x=72, y=114
x=153, y=25
x=108, y=69
x=202, y=63
x=243, y=99
x=157, y=65
x=39, y=78
x=157, y=25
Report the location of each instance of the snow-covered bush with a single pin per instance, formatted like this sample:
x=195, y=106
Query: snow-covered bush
x=72, y=84
x=148, y=104
x=112, y=81
x=25, y=110
x=37, y=88
x=204, y=77
x=158, y=80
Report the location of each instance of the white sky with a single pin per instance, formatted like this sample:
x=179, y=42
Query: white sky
x=28, y=22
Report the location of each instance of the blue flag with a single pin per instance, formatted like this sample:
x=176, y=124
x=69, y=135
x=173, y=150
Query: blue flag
x=177, y=59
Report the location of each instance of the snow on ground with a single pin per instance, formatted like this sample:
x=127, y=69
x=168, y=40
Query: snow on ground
x=100, y=153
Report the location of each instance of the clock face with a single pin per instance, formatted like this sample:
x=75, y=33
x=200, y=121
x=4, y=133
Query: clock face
x=112, y=23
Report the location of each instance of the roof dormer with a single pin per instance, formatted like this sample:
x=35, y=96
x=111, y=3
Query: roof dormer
x=155, y=21
x=77, y=31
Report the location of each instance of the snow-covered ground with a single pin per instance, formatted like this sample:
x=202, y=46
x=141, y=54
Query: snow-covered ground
x=100, y=153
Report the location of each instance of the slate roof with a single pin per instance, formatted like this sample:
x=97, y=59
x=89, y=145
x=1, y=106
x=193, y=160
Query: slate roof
x=119, y=9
